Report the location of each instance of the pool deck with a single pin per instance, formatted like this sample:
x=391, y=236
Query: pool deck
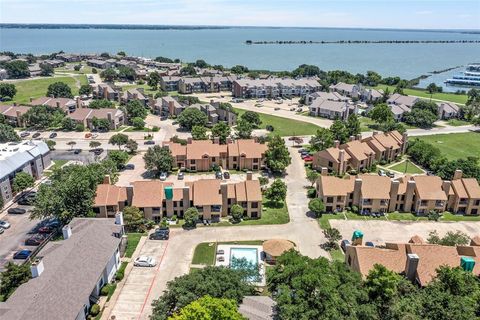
x=226, y=258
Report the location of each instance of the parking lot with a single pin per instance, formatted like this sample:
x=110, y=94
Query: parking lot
x=380, y=232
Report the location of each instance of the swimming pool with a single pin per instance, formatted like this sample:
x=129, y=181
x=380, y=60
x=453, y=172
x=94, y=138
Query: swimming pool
x=249, y=254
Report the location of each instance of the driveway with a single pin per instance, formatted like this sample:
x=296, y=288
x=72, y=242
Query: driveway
x=380, y=232
x=302, y=230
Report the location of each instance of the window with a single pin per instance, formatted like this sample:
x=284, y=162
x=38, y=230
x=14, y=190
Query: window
x=339, y=198
x=213, y=159
x=192, y=161
x=330, y=164
x=254, y=205
x=477, y=202
x=329, y=199
x=423, y=202
x=234, y=158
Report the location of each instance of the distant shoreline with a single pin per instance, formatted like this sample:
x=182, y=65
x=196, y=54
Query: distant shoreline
x=205, y=27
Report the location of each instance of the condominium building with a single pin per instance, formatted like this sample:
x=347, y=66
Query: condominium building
x=86, y=116
x=66, y=104
x=105, y=91
x=134, y=94
x=274, y=87
x=156, y=199
x=31, y=157
x=13, y=114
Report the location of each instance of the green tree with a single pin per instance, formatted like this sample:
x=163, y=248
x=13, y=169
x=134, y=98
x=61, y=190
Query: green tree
x=13, y=276
x=42, y=117
x=252, y=117
x=277, y=155
x=159, y=159
x=238, y=69
x=85, y=89
x=22, y=181
x=323, y=139
x=153, y=79
x=317, y=207
x=451, y=238
x=126, y=73
x=188, y=70
x=94, y=144
x=8, y=134
x=68, y=124
x=217, y=282
x=236, y=211
x=101, y=104
x=119, y=139
x=420, y=118
x=222, y=131
x=191, y=217
x=208, y=308
x=277, y=192
x=243, y=129
x=119, y=157
x=131, y=145
x=312, y=176
x=46, y=70
x=192, y=117
x=7, y=91
x=59, y=90
x=51, y=144
x=135, y=109
x=109, y=75
x=339, y=131
x=432, y=88
x=353, y=125
x=133, y=219
x=71, y=144
x=138, y=123
x=199, y=133
x=102, y=125
x=163, y=60
x=201, y=64
x=121, y=53
x=381, y=113
x=17, y=69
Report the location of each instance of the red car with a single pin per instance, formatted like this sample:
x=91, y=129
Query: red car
x=308, y=159
x=35, y=240
x=45, y=229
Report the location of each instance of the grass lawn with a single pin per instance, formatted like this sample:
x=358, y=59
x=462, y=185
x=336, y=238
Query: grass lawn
x=337, y=255
x=57, y=164
x=456, y=98
x=365, y=124
x=404, y=216
x=447, y=216
x=283, y=126
x=246, y=242
x=132, y=242
x=406, y=167
x=457, y=122
x=456, y=145
x=36, y=88
x=271, y=214
x=132, y=129
x=69, y=68
x=324, y=221
x=204, y=254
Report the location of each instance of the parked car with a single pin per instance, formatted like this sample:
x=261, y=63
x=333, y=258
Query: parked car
x=88, y=135
x=4, y=224
x=97, y=151
x=53, y=224
x=218, y=175
x=382, y=173
x=77, y=151
x=181, y=176
x=46, y=229
x=35, y=240
x=16, y=211
x=144, y=261
x=344, y=244
x=369, y=244
x=149, y=142
x=24, y=134
x=308, y=158
x=163, y=176
x=160, y=235
x=25, y=201
x=390, y=174
x=226, y=175
x=276, y=108
x=22, y=254
x=129, y=166
x=52, y=135
x=302, y=150
x=36, y=135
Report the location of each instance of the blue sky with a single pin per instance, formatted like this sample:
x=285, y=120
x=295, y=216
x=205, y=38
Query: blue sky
x=431, y=14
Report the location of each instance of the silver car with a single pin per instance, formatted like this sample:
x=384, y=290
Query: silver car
x=145, y=261
x=4, y=224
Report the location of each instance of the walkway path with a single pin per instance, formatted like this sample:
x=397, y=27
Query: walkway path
x=176, y=254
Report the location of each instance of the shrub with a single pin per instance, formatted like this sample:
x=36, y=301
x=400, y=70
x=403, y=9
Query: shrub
x=155, y=129
x=174, y=218
x=79, y=127
x=94, y=70
x=263, y=180
x=354, y=209
x=77, y=67
x=105, y=290
x=383, y=162
x=269, y=128
x=311, y=193
x=94, y=310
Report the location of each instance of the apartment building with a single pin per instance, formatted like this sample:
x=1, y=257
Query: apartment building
x=68, y=274
x=361, y=153
x=69, y=57
x=66, y=104
x=31, y=157
x=86, y=116
x=330, y=96
x=331, y=109
x=203, y=155
x=156, y=199
x=349, y=90
x=274, y=87
x=399, y=99
x=170, y=83
x=54, y=63
x=105, y=91
x=416, y=260
x=447, y=110
x=166, y=106
x=418, y=194
x=215, y=113
x=101, y=64
x=134, y=94
x=13, y=114
x=192, y=85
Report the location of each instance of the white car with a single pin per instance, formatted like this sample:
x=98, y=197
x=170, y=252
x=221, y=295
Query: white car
x=145, y=261
x=163, y=176
x=4, y=224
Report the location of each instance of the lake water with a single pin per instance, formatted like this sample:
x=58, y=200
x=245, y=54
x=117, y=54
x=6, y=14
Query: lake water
x=227, y=47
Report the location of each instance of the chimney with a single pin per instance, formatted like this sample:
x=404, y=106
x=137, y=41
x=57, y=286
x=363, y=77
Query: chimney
x=135, y=96
x=336, y=143
x=359, y=136
x=19, y=118
x=119, y=218
x=224, y=193
x=186, y=198
x=394, y=186
x=457, y=175
x=216, y=140
x=189, y=140
x=341, y=158
x=324, y=171
x=107, y=179
x=229, y=140
x=375, y=133
x=404, y=142
x=36, y=268
x=352, y=138
x=446, y=187
x=249, y=175
x=78, y=103
x=411, y=266
x=357, y=190
x=409, y=193
x=67, y=232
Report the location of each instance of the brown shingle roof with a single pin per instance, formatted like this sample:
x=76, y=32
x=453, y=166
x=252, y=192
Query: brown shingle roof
x=206, y=192
x=248, y=147
x=332, y=154
x=375, y=187
x=110, y=195
x=429, y=188
x=148, y=194
x=275, y=247
x=357, y=149
x=333, y=186
x=252, y=188
x=197, y=149
x=472, y=187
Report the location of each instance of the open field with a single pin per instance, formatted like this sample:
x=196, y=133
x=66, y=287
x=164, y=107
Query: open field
x=283, y=126
x=36, y=88
x=69, y=68
x=457, y=145
x=456, y=98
